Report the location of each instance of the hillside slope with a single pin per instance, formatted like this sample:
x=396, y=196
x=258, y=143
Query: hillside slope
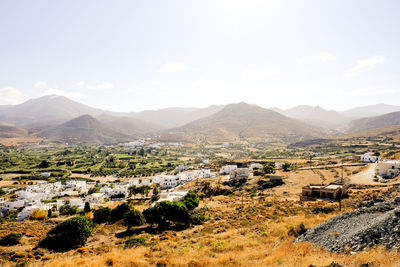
x=175, y=117
x=390, y=119
x=84, y=129
x=46, y=110
x=244, y=122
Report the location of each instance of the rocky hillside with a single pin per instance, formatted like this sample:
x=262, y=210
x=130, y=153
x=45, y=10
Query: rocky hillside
x=362, y=228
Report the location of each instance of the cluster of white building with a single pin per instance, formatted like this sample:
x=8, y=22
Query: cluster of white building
x=74, y=192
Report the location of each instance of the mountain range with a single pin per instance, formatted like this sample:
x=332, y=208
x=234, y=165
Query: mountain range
x=59, y=119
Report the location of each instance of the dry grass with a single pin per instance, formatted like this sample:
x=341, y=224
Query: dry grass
x=257, y=235
x=254, y=236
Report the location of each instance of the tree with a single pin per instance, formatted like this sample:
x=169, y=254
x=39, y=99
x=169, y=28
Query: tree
x=268, y=168
x=191, y=201
x=286, y=166
x=10, y=239
x=134, y=218
x=118, y=212
x=66, y=209
x=87, y=207
x=102, y=215
x=165, y=213
x=44, y=164
x=377, y=153
x=70, y=234
x=2, y=192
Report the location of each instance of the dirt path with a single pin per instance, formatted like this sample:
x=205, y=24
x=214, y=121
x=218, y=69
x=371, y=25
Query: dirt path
x=366, y=177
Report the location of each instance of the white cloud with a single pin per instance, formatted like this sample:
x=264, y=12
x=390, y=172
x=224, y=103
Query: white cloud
x=40, y=85
x=69, y=94
x=263, y=73
x=103, y=85
x=11, y=96
x=367, y=64
x=172, y=66
x=317, y=57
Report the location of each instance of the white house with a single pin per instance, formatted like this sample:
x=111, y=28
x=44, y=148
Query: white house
x=95, y=198
x=227, y=169
x=369, y=158
x=240, y=173
x=388, y=168
x=73, y=202
x=256, y=166
x=167, y=181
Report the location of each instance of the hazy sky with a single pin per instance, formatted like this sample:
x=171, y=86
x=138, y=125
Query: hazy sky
x=134, y=55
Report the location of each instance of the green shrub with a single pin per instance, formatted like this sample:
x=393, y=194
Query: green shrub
x=134, y=218
x=191, y=201
x=118, y=212
x=102, y=215
x=10, y=239
x=69, y=234
x=198, y=216
x=68, y=210
x=165, y=213
x=135, y=242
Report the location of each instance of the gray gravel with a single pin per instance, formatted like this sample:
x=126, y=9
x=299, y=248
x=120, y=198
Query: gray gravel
x=359, y=229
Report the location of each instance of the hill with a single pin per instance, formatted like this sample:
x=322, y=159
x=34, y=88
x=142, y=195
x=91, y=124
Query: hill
x=84, y=129
x=128, y=125
x=244, y=122
x=382, y=121
x=46, y=110
x=175, y=117
x=316, y=116
x=370, y=111
x=8, y=131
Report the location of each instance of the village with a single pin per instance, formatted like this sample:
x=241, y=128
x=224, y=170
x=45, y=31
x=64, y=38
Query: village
x=53, y=196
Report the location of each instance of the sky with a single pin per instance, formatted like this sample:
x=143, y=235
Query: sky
x=127, y=55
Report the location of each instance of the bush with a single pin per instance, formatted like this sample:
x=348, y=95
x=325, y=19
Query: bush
x=68, y=210
x=10, y=239
x=198, y=216
x=191, y=201
x=102, y=215
x=2, y=192
x=135, y=242
x=69, y=234
x=297, y=230
x=118, y=212
x=38, y=214
x=134, y=218
x=325, y=210
x=165, y=213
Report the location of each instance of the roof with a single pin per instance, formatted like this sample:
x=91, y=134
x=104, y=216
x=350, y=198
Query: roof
x=333, y=186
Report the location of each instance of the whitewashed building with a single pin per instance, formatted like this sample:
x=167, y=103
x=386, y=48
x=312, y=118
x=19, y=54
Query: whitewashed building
x=227, y=169
x=166, y=181
x=369, y=158
x=256, y=166
x=239, y=173
x=73, y=202
x=388, y=168
x=95, y=198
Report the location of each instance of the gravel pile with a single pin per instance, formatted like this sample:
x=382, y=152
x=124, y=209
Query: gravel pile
x=359, y=229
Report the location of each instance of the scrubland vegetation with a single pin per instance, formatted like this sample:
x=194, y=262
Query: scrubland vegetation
x=248, y=222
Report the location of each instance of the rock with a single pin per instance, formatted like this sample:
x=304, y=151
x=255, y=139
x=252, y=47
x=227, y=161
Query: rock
x=362, y=228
